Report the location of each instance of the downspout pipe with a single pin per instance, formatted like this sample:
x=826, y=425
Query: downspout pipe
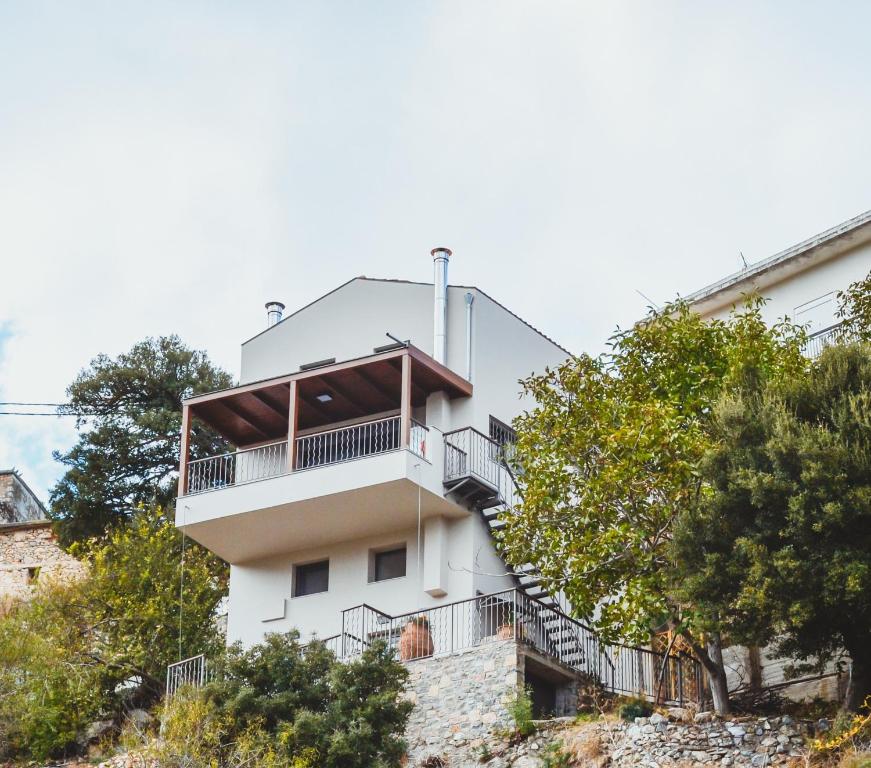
x=440, y=258
x=470, y=299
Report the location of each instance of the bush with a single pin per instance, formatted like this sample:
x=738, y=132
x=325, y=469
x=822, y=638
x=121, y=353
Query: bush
x=633, y=708
x=89, y=650
x=284, y=705
x=520, y=711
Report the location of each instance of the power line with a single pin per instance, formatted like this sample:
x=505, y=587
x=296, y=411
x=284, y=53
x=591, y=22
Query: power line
x=48, y=405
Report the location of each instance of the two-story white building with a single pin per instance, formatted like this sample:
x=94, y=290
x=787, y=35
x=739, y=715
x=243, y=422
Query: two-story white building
x=366, y=431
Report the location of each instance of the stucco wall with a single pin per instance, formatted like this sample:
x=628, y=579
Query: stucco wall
x=790, y=296
x=29, y=556
x=260, y=591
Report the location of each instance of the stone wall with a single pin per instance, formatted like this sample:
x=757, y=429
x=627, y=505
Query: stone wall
x=18, y=504
x=460, y=702
x=706, y=740
x=30, y=555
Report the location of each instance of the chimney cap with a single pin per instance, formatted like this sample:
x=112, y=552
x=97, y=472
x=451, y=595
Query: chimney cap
x=441, y=253
x=271, y=304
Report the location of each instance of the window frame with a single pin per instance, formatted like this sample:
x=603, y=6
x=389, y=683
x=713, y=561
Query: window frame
x=374, y=554
x=295, y=581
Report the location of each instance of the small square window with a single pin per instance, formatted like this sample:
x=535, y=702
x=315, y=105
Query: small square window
x=388, y=564
x=311, y=578
x=33, y=574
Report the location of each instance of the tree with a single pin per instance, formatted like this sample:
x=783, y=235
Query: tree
x=854, y=310
x=781, y=551
x=98, y=646
x=612, y=452
x=129, y=418
x=294, y=705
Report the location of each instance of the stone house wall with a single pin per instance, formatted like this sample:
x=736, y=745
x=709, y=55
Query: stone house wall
x=18, y=504
x=30, y=555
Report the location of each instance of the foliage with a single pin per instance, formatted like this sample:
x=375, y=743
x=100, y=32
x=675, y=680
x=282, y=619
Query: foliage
x=308, y=705
x=846, y=731
x=87, y=650
x=782, y=549
x=553, y=756
x=854, y=310
x=632, y=708
x=129, y=418
x=520, y=711
x=612, y=451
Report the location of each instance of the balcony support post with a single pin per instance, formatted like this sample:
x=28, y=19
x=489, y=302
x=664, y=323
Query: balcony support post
x=185, y=452
x=405, y=403
x=292, y=420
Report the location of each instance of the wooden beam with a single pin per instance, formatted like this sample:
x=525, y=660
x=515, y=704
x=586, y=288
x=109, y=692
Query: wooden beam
x=261, y=397
x=292, y=422
x=397, y=367
x=363, y=375
x=239, y=415
x=405, y=405
x=185, y=454
x=313, y=404
x=345, y=395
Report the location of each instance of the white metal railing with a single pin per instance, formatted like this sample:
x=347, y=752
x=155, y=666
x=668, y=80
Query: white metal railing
x=418, y=438
x=346, y=443
x=195, y=671
x=237, y=467
x=818, y=341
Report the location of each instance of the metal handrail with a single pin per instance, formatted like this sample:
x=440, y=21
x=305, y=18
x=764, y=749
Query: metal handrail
x=334, y=446
x=237, y=467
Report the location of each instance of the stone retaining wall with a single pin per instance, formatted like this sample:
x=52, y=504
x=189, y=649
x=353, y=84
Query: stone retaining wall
x=707, y=740
x=460, y=702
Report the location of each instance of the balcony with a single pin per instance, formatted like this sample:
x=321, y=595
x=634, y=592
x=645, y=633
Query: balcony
x=327, y=454
x=817, y=342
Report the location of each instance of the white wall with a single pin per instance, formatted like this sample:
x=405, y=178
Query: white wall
x=260, y=592
x=801, y=291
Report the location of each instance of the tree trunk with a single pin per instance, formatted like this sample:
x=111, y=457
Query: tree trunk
x=754, y=666
x=859, y=682
x=717, y=675
x=711, y=659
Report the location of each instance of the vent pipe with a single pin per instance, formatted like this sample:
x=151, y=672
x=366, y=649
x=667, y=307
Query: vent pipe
x=273, y=313
x=470, y=298
x=440, y=258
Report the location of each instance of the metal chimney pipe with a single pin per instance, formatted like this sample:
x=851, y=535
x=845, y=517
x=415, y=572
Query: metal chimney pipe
x=273, y=313
x=470, y=299
x=440, y=258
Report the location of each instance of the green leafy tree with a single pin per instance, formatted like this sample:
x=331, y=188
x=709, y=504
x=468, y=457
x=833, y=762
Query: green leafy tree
x=854, y=310
x=129, y=418
x=612, y=452
x=90, y=649
x=781, y=550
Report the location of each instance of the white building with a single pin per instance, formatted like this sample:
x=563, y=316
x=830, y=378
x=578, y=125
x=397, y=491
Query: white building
x=801, y=283
x=367, y=470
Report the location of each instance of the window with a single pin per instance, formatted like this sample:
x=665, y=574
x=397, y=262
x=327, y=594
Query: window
x=33, y=574
x=311, y=578
x=387, y=564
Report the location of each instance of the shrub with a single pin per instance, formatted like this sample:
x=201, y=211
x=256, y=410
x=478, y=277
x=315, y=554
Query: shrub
x=633, y=708
x=520, y=711
x=553, y=756
x=280, y=704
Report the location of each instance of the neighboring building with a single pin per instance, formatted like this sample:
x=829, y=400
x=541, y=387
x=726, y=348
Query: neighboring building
x=29, y=552
x=18, y=504
x=367, y=477
x=802, y=283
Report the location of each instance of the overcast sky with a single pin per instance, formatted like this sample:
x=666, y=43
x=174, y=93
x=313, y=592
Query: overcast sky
x=168, y=167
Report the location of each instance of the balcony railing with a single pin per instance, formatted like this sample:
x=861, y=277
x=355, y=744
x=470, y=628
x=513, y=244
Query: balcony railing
x=818, y=341
x=237, y=467
x=513, y=614
x=471, y=454
x=316, y=450
x=195, y=672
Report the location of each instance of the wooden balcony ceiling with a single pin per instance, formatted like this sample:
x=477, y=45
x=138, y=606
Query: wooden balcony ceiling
x=256, y=413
